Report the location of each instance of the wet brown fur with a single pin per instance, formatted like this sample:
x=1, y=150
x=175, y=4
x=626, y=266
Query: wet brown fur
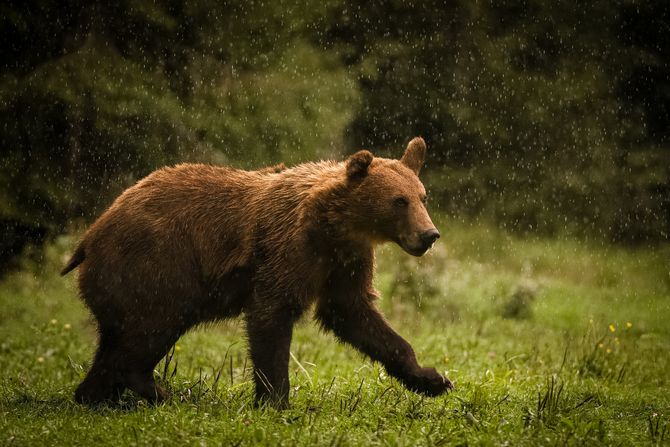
x=196, y=243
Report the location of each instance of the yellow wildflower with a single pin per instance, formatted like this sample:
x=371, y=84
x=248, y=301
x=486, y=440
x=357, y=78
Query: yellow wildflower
x=54, y=321
x=177, y=348
x=600, y=345
x=612, y=328
x=608, y=350
x=40, y=359
x=629, y=325
x=67, y=326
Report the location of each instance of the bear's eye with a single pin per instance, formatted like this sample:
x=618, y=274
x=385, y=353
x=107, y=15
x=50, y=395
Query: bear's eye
x=401, y=201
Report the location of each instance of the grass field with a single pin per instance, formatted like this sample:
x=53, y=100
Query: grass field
x=547, y=341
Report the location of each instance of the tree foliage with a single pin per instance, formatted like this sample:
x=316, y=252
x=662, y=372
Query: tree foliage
x=95, y=95
x=542, y=116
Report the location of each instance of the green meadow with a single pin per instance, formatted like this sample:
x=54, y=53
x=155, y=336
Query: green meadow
x=548, y=341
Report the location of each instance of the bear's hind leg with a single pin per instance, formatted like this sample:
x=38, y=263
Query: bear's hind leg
x=269, y=345
x=141, y=353
x=102, y=382
x=145, y=386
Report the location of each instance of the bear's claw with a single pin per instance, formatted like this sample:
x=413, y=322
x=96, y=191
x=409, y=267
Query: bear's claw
x=429, y=382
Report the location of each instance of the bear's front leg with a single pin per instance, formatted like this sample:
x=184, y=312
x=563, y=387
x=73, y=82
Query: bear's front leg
x=269, y=345
x=354, y=319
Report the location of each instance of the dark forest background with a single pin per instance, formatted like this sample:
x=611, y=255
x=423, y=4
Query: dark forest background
x=546, y=117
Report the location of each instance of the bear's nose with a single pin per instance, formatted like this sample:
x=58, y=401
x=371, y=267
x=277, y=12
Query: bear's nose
x=430, y=236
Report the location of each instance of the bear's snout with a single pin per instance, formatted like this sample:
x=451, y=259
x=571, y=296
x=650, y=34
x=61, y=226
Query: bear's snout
x=419, y=243
x=429, y=237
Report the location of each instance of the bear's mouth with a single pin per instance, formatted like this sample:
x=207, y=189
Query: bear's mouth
x=417, y=244
x=418, y=250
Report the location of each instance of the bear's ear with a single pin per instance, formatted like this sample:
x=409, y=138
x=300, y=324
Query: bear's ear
x=357, y=164
x=414, y=155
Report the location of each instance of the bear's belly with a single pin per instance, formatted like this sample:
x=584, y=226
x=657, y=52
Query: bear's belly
x=226, y=296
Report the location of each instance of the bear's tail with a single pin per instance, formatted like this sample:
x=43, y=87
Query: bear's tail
x=76, y=259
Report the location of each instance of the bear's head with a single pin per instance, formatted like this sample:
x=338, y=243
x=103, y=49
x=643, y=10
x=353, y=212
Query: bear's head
x=387, y=200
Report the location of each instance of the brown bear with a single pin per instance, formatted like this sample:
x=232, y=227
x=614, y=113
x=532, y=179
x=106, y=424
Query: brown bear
x=196, y=243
